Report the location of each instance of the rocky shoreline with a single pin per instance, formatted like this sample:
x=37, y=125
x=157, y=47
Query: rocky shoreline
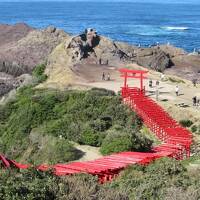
x=23, y=47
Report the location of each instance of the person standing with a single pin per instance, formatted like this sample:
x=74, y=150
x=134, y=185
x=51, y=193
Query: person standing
x=194, y=99
x=103, y=76
x=162, y=77
x=194, y=81
x=150, y=83
x=198, y=102
x=108, y=77
x=177, y=90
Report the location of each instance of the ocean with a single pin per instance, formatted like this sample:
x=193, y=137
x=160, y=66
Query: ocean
x=135, y=23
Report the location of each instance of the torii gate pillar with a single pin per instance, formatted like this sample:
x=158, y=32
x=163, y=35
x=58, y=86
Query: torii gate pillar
x=137, y=74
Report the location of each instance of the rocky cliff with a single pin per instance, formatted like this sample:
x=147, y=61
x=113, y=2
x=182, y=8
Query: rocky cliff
x=70, y=57
x=22, y=48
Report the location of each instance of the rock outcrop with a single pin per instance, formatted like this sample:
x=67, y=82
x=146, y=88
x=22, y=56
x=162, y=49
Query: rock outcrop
x=89, y=48
x=13, y=33
x=21, y=56
x=22, y=48
x=186, y=65
x=107, y=52
x=153, y=58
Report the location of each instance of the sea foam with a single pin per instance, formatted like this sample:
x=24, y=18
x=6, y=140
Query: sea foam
x=175, y=28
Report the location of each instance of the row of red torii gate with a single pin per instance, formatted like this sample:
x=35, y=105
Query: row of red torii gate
x=176, y=140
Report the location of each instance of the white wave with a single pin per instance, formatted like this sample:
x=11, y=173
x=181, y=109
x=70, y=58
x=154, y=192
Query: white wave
x=179, y=28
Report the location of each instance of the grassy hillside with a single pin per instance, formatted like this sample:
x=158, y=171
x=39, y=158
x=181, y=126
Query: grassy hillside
x=40, y=124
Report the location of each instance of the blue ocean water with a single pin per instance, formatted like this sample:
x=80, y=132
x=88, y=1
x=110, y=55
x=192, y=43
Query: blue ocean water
x=135, y=23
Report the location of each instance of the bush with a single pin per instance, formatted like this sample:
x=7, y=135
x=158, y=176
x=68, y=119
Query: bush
x=90, y=137
x=79, y=116
x=38, y=72
x=186, y=123
x=32, y=184
x=194, y=128
x=154, y=180
x=49, y=149
x=124, y=140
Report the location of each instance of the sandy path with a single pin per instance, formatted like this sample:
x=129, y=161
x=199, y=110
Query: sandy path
x=167, y=96
x=90, y=153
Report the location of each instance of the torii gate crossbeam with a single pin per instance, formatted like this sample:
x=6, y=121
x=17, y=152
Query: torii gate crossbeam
x=135, y=74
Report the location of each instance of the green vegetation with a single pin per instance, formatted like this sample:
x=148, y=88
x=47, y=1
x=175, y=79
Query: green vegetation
x=194, y=128
x=165, y=179
x=119, y=140
x=38, y=73
x=186, y=123
x=39, y=125
x=34, y=185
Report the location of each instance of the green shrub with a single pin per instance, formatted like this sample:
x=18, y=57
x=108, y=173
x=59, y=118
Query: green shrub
x=90, y=137
x=38, y=72
x=194, y=128
x=153, y=181
x=186, y=123
x=32, y=185
x=102, y=92
x=79, y=116
x=119, y=144
x=120, y=141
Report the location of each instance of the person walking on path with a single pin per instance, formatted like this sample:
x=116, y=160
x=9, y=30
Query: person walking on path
x=194, y=99
x=177, y=90
x=103, y=76
x=157, y=83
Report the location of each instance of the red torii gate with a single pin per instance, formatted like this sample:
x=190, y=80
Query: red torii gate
x=137, y=74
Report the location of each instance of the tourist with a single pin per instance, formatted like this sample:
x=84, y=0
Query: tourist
x=99, y=61
x=198, y=102
x=194, y=99
x=177, y=90
x=157, y=83
x=194, y=81
x=150, y=83
x=103, y=76
x=162, y=76
x=108, y=77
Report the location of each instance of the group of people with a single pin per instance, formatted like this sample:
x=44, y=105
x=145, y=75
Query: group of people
x=196, y=101
x=105, y=77
x=162, y=77
x=151, y=83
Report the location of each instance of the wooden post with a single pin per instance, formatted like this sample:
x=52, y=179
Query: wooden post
x=125, y=79
x=141, y=81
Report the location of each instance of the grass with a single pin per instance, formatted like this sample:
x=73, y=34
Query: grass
x=32, y=125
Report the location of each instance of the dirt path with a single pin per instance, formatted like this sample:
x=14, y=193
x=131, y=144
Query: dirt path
x=90, y=153
x=179, y=107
